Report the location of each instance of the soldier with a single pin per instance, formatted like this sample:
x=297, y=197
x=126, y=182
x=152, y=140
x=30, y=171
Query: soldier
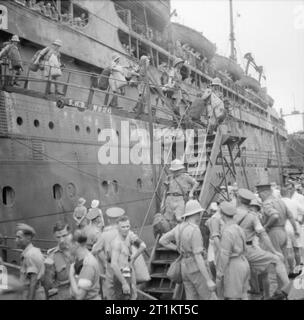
x=102, y=250
x=50, y=58
x=196, y=279
x=233, y=272
x=215, y=225
x=32, y=263
x=58, y=263
x=178, y=188
x=84, y=273
x=80, y=213
x=276, y=214
x=123, y=281
x=96, y=223
x=12, y=54
x=260, y=260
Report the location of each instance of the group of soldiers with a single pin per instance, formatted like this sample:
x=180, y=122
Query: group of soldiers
x=93, y=262
x=255, y=239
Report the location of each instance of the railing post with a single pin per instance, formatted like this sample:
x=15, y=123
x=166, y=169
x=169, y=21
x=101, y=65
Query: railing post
x=91, y=95
x=48, y=85
x=27, y=77
x=65, y=90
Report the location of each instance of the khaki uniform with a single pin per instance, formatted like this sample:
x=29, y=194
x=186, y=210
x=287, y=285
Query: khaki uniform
x=232, y=263
x=32, y=261
x=215, y=225
x=277, y=232
x=191, y=242
x=258, y=259
x=57, y=273
x=175, y=204
x=79, y=212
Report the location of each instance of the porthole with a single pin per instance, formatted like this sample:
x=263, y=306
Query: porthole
x=57, y=192
x=71, y=190
x=105, y=186
x=139, y=184
x=36, y=123
x=98, y=131
x=115, y=186
x=51, y=125
x=8, y=196
x=19, y=121
x=77, y=128
x=117, y=133
x=88, y=130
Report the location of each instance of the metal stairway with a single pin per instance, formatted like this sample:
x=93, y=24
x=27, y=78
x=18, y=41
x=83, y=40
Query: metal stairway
x=201, y=157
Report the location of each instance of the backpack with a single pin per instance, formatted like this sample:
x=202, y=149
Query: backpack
x=103, y=81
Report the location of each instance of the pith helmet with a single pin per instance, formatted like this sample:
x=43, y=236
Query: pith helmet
x=192, y=207
x=95, y=204
x=176, y=165
x=115, y=212
x=15, y=38
x=58, y=43
x=26, y=228
x=177, y=62
x=228, y=208
x=216, y=82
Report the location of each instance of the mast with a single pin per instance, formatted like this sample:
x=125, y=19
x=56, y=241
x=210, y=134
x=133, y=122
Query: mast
x=232, y=34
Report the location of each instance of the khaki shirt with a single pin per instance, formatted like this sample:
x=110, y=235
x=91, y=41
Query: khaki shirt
x=32, y=261
x=189, y=243
x=57, y=266
x=184, y=179
x=273, y=206
x=233, y=244
x=249, y=222
x=215, y=225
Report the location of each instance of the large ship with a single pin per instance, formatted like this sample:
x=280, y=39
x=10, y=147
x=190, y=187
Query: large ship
x=50, y=144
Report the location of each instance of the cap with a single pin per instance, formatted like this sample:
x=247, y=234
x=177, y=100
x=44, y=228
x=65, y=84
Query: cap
x=192, y=207
x=58, y=43
x=222, y=187
x=115, y=212
x=176, y=165
x=263, y=187
x=26, y=228
x=15, y=38
x=228, y=208
x=95, y=204
x=246, y=194
x=213, y=206
x=93, y=213
x=178, y=61
x=81, y=201
x=256, y=202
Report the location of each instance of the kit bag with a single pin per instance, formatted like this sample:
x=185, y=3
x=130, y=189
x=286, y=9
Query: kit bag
x=103, y=81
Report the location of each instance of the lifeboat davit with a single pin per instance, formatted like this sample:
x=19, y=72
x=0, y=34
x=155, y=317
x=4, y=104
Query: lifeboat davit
x=195, y=40
x=222, y=63
x=250, y=83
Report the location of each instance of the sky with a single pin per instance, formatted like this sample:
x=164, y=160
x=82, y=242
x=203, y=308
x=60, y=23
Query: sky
x=272, y=30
